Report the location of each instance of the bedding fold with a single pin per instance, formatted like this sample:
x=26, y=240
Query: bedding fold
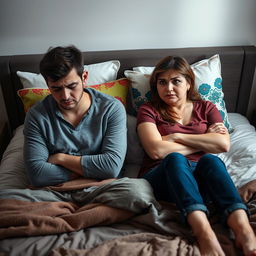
x=27, y=212
x=143, y=244
x=32, y=213
x=21, y=218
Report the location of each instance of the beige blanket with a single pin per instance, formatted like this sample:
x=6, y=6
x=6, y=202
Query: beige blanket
x=144, y=244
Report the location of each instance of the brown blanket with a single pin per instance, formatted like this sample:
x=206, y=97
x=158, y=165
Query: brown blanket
x=24, y=218
x=21, y=218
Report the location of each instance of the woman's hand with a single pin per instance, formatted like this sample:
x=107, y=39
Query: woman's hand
x=217, y=128
x=173, y=137
x=157, y=146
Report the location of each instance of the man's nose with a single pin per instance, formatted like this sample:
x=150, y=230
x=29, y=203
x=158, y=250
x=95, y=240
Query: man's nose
x=65, y=94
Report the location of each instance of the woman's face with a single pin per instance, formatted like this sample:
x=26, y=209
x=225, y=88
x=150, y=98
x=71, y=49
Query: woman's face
x=172, y=87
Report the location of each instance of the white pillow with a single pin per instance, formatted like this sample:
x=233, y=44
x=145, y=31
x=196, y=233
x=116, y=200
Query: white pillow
x=103, y=72
x=208, y=81
x=144, y=70
x=97, y=74
x=31, y=80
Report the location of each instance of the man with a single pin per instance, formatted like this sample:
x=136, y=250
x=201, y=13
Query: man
x=79, y=132
x=74, y=131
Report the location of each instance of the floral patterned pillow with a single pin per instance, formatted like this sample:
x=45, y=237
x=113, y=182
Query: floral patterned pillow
x=118, y=89
x=140, y=88
x=208, y=82
x=30, y=96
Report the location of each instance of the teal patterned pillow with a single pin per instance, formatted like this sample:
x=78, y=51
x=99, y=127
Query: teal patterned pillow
x=209, y=84
x=140, y=88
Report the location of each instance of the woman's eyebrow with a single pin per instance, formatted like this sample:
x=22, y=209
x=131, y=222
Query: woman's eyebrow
x=160, y=78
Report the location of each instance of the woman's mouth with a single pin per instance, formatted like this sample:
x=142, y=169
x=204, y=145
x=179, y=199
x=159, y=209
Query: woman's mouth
x=170, y=95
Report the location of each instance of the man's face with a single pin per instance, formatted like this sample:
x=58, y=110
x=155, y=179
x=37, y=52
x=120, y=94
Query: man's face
x=68, y=91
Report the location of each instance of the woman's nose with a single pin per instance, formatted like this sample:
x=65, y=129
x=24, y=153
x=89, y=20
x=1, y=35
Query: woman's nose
x=170, y=86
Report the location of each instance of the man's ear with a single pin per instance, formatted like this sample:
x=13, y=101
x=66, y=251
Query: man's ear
x=84, y=77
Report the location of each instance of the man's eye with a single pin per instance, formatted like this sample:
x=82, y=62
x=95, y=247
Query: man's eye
x=56, y=89
x=72, y=86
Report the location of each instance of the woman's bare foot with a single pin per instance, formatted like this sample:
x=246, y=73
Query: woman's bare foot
x=209, y=244
x=244, y=234
x=206, y=238
x=247, y=242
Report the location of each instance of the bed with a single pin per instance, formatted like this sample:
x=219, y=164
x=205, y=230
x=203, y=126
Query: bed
x=157, y=230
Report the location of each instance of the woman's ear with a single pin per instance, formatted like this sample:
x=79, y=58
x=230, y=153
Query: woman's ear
x=188, y=86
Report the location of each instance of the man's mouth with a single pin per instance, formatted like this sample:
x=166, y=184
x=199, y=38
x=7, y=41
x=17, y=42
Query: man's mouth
x=67, y=102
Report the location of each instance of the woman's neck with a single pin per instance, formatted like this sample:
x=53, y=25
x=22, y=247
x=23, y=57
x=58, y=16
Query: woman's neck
x=183, y=112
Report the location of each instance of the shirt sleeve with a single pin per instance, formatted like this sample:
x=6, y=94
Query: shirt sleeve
x=213, y=114
x=36, y=154
x=146, y=113
x=108, y=163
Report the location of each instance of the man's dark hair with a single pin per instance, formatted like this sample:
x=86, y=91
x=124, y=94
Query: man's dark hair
x=59, y=61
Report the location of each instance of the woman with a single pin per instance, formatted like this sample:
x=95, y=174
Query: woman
x=178, y=131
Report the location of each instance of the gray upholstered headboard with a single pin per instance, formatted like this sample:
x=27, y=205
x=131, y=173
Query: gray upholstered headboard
x=238, y=67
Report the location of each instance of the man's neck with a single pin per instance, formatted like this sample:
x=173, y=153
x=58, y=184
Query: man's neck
x=74, y=116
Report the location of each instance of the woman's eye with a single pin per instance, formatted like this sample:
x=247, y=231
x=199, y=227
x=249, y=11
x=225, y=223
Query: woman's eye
x=176, y=81
x=162, y=82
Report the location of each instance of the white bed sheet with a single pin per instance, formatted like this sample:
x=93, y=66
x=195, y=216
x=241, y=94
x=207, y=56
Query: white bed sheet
x=240, y=160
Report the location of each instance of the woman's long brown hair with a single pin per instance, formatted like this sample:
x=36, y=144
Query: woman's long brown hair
x=181, y=66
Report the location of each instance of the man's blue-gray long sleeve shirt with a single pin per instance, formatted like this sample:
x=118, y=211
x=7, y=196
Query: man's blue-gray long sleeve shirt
x=100, y=139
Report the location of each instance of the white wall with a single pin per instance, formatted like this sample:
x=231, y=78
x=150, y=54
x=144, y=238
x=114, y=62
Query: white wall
x=31, y=26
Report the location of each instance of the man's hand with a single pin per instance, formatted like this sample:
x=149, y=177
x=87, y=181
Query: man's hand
x=56, y=158
x=70, y=162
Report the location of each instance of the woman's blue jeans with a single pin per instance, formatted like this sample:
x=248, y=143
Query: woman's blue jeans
x=192, y=185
